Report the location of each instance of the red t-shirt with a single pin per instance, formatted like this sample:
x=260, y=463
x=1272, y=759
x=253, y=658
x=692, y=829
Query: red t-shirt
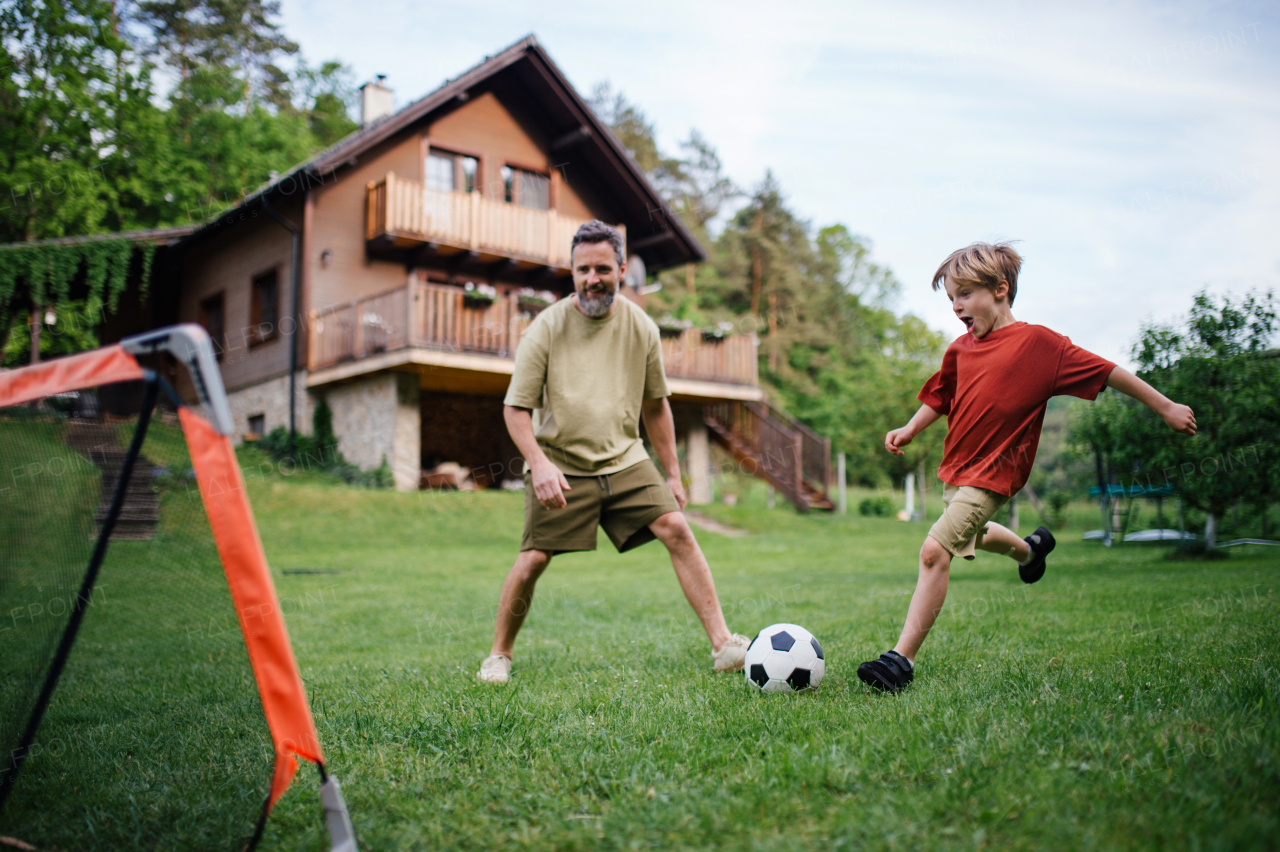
x=993, y=392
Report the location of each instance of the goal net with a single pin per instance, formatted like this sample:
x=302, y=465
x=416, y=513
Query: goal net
x=150, y=696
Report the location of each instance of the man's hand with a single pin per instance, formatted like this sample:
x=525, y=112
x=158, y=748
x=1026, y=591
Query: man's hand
x=1180, y=418
x=677, y=490
x=898, y=438
x=549, y=485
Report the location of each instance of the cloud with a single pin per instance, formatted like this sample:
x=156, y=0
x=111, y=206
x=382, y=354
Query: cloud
x=1130, y=146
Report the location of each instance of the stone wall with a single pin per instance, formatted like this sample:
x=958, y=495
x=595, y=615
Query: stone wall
x=377, y=417
x=271, y=400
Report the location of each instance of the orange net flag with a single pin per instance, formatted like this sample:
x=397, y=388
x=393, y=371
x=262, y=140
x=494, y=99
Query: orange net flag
x=84, y=495
x=102, y=366
x=257, y=606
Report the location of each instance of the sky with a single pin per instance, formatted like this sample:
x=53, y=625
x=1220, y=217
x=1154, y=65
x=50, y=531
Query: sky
x=1132, y=148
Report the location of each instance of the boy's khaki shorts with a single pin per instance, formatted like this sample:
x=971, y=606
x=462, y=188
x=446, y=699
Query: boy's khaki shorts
x=964, y=518
x=624, y=503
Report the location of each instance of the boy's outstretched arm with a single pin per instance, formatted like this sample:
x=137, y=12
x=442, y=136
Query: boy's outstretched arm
x=1179, y=417
x=903, y=436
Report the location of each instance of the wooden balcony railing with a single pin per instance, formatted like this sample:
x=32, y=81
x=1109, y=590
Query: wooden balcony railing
x=435, y=316
x=438, y=316
x=731, y=359
x=408, y=210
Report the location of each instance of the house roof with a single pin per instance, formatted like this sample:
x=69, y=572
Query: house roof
x=160, y=236
x=524, y=75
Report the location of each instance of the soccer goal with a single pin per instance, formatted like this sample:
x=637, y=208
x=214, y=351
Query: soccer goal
x=150, y=695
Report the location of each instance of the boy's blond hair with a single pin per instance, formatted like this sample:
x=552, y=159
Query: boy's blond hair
x=981, y=265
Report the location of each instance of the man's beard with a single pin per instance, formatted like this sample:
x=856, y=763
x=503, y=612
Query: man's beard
x=596, y=305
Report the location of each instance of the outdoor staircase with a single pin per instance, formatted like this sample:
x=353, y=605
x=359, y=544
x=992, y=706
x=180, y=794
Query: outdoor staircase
x=768, y=443
x=98, y=442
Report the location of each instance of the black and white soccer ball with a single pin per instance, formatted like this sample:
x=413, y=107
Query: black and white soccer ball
x=784, y=658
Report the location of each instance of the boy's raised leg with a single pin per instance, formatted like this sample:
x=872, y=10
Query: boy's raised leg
x=1029, y=552
x=1004, y=541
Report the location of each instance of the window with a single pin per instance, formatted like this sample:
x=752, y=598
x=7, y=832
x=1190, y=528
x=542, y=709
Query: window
x=526, y=188
x=257, y=425
x=213, y=320
x=264, y=307
x=451, y=172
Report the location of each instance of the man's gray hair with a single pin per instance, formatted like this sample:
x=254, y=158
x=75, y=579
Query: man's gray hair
x=596, y=231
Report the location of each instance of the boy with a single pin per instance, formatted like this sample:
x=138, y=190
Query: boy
x=993, y=387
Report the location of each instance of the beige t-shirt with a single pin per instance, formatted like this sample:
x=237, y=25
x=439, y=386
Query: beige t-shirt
x=585, y=379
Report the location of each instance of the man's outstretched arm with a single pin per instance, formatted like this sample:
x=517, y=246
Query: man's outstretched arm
x=661, y=427
x=1179, y=417
x=920, y=421
x=547, y=478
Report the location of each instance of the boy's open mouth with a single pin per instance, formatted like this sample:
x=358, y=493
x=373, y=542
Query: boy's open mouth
x=968, y=322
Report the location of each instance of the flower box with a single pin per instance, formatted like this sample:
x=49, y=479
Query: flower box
x=532, y=301
x=478, y=295
x=669, y=326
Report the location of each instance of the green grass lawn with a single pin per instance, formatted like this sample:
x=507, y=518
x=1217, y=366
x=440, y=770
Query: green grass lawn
x=1125, y=701
x=155, y=737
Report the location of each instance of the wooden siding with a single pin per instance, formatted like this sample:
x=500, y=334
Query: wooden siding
x=485, y=128
x=338, y=226
x=227, y=263
x=482, y=127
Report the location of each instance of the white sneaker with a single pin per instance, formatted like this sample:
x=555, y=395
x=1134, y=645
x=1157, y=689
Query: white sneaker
x=496, y=669
x=730, y=657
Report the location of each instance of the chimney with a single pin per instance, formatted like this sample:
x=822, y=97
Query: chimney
x=376, y=101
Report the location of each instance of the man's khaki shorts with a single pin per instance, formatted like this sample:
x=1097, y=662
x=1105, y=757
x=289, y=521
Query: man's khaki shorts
x=624, y=503
x=964, y=518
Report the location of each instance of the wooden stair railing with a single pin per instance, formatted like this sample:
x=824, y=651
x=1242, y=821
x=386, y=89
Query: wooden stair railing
x=768, y=443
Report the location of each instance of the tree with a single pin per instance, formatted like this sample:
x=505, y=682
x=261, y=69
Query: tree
x=331, y=94
x=232, y=40
x=65, y=78
x=87, y=147
x=73, y=330
x=1217, y=362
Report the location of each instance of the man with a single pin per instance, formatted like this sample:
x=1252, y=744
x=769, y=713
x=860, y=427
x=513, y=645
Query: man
x=590, y=366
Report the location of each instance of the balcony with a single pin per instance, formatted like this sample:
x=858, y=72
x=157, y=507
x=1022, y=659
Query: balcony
x=402, y=214
x=432, y=324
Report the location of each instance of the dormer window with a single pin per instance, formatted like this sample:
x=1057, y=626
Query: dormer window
x=451, y=172
x=526, y=188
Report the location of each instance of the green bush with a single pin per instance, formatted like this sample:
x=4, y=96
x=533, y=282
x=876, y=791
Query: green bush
x=319, y=452
x=1058, y=502
x=877, y=507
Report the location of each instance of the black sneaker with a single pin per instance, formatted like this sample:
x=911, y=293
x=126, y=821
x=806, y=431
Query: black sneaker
x=890, y=673
x=1042, y=544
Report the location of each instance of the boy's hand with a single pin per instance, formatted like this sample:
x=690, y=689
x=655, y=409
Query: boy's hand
x=900, y=438
x=1180, y=418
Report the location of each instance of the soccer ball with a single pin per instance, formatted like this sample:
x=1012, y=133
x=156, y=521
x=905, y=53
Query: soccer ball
x=784, y=658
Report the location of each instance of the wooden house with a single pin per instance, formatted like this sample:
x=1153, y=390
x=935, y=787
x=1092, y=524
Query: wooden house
x=393, y=274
